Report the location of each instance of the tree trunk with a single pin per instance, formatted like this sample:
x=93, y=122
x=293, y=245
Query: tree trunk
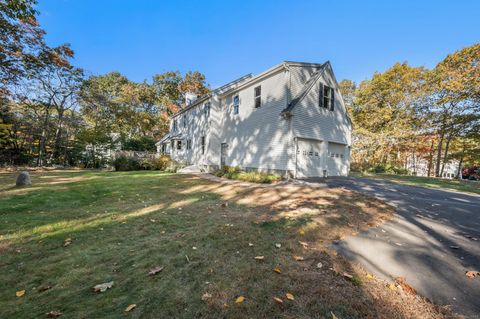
x=430, y=160
x=58, y=136
x=439, y=155
x=43, y=138
x=445, y=155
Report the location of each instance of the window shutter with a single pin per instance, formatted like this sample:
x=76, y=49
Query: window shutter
x=332, y=103
x=320, y=102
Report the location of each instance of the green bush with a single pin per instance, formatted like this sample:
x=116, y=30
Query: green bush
x=254, y=177
x=388, y=169
x=160, y=163
x=124, y=163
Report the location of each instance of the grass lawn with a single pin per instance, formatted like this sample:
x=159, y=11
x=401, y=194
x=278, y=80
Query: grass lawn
x=70, y=231
x=450, y=184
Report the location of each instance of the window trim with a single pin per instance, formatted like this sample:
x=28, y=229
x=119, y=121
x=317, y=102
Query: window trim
x=236, y=107
x=257, y=97
x=324, y=101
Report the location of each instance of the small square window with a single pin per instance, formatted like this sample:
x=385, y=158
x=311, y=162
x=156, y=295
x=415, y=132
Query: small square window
x=316, y=153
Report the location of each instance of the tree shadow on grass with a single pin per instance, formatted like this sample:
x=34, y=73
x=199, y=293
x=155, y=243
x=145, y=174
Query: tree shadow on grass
x=161, y=219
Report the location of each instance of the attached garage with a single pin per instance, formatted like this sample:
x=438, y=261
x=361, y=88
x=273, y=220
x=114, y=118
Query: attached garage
x=337, y=161
x=310, y=158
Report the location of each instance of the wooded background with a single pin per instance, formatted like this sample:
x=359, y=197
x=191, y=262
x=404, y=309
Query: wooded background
x=52, y=114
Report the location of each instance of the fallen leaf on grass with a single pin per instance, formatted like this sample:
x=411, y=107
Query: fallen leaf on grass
x=290, y=296
x=370, y=276
x=319, y=265
x=278, y=300
x=277, y=270
x=333, y=315
x=472, y=274
x=304, y=244
x=240, y=299
x=206, y=296
x=103, y=287
x=44, y=288
x=278, y=245
x=347, y=275
x=301, y=232
x=130, y=307
x=155, y=270
x=259, y=257
x=405, y=286
x=54, y=314
x=250, y=244
x=391, y=287
x=67, y=242
x=298, y=258
x=20, y=293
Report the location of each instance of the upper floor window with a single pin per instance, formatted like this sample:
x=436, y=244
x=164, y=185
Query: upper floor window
x=174, y=127
x=184, y=120
x=258, y=96
x=179, y=145
x=327, y=98
x=203, y=144
x=189, y=144
x=206, y=109
x=236, y=104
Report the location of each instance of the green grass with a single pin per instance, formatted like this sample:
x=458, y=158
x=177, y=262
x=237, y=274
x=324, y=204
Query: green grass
x=431, y=182
x=122, y=224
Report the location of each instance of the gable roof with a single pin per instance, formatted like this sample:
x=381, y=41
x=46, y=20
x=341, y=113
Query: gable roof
x=308, y=85
x=306, y=88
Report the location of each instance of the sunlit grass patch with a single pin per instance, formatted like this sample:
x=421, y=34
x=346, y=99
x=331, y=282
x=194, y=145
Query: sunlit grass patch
x=70, y=233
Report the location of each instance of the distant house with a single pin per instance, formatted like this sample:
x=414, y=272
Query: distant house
x=418, y=166
x=290, y=119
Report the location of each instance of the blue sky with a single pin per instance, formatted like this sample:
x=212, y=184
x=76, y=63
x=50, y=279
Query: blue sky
x=227, y=39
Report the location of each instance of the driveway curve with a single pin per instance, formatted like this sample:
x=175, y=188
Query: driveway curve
x=432, y=242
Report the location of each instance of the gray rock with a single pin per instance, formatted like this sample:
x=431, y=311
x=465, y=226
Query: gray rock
x=23, y=179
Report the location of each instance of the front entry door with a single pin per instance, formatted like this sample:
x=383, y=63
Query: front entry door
x=223, y=154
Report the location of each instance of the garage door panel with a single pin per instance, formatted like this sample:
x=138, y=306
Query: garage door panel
x=337, y=159
x=310, y=158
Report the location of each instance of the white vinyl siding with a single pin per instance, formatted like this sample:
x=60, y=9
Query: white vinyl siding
x=260, y=137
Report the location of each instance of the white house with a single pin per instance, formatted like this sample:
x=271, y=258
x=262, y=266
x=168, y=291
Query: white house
x=290, y=119
x=418, y=166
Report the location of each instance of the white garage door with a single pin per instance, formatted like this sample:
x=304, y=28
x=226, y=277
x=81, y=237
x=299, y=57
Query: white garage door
x=337, y=159
x=310, y=159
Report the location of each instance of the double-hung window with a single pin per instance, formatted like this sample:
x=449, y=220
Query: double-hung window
x=174, y=128
x=206, y=109
x=203, y=144
x=189, y=144
x=326, y=97
x=184, y=120
x=179, y=145
x=236, y=104
x=258, y=96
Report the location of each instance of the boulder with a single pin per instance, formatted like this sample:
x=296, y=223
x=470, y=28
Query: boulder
x=23, y=179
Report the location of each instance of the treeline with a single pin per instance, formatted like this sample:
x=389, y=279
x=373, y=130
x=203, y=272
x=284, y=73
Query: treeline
x=413, y=113
x=52, y=114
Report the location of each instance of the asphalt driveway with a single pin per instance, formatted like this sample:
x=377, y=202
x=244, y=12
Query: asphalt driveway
x=432, y=242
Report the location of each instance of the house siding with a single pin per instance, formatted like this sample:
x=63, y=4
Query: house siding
x=257, y=137
x=262, y=138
